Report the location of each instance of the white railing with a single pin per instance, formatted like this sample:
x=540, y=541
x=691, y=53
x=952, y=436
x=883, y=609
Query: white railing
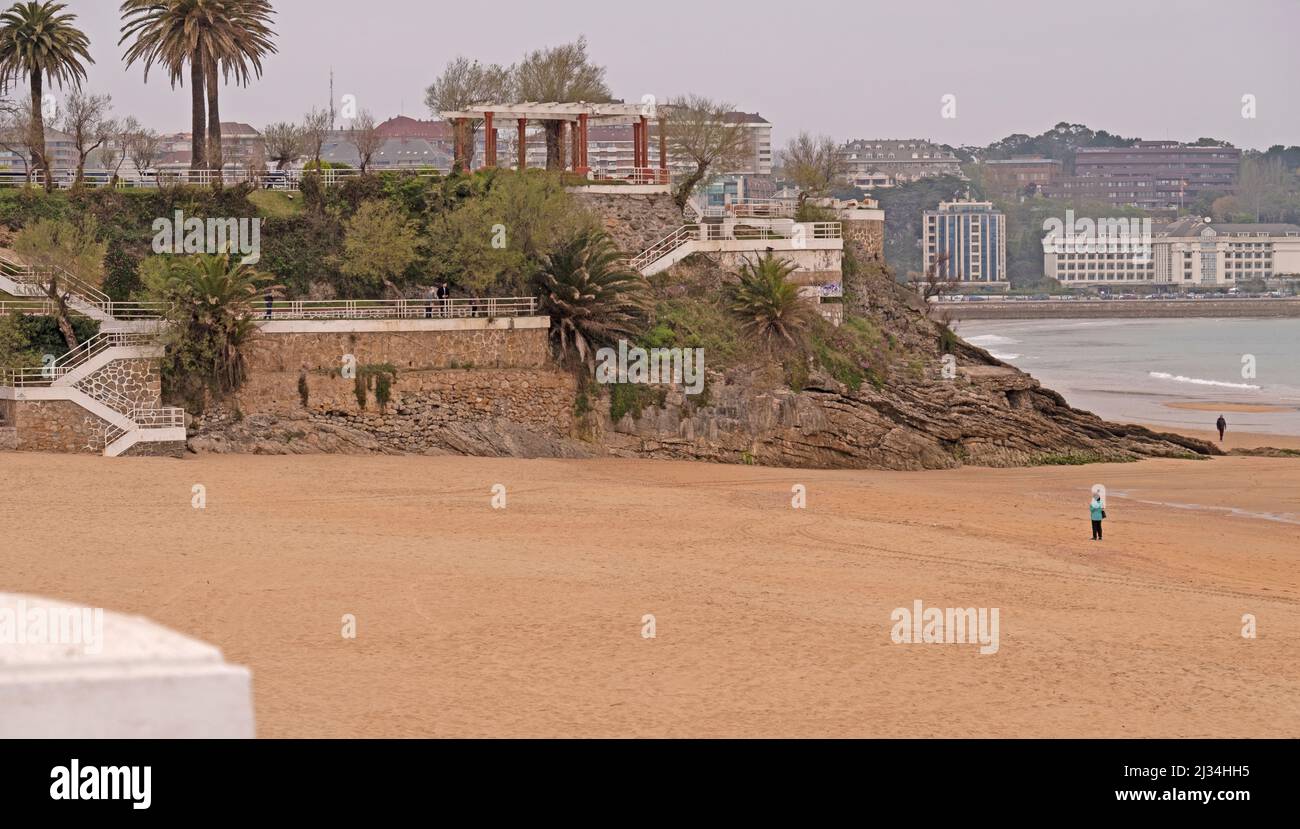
x=760, y=208
x=356, y=309
x=269, y=180
x=631, y=175
x=46, y=375
x=665, y=246
x=24, y=275
x=734, y=231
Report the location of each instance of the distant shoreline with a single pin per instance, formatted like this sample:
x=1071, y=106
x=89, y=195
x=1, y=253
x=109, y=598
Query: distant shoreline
x=1121, y=309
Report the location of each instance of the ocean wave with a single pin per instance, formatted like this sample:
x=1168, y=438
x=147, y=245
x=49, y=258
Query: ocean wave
x=1197, y=381
x=1006, y=357
x=991, y=339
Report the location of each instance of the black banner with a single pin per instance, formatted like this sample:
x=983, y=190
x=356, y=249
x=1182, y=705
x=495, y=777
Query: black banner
x=146, y=779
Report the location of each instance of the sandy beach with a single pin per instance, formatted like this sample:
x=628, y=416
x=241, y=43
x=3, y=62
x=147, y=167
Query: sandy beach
x=770, y=621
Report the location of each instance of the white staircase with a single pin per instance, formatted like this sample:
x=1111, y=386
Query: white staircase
x=127, y=423
x=752, y=234
x=21, y=281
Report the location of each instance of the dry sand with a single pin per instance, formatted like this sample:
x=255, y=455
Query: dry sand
x=1233, y=439
x=771, y=622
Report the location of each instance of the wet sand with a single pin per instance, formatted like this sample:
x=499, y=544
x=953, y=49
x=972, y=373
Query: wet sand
x=771, y=621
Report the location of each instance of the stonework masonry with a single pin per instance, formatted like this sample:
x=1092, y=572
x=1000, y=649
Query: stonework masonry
x=634, y=222
x=57, y=426
x=405, y=350
x=138, y=381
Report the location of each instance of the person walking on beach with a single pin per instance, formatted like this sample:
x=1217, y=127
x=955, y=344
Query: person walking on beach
x=1098, y=510
x=1223, y=427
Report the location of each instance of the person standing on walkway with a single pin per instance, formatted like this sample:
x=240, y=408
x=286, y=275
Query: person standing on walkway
x=270, y=299
x=1098, y=510
x=1223, y=427
x=430, y=296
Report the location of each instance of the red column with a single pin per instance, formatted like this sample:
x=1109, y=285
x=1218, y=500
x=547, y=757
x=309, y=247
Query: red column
x=663, y=143
x=458, y=144
x=645, y=142
x=489, y=141
x=523, y=144
x=582, y=168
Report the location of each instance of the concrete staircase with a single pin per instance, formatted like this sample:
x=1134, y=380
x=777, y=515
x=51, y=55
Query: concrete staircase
x=734, y=234
x=27, y=283
x=127, y=422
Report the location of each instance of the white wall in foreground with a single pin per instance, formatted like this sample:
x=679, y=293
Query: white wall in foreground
x=106, y=675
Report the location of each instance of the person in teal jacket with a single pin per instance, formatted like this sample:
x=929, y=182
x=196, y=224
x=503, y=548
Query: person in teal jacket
x=1098, y=510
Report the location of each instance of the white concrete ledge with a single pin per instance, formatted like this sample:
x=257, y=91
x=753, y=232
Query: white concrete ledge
x=623, y=189
x=121, y=677
x=402, y=325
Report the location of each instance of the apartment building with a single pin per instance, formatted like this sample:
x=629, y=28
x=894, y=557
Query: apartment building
x=872, y=163
x=1187, y=254
x=1154, y=175
x=1020, y=175
x=973, y=235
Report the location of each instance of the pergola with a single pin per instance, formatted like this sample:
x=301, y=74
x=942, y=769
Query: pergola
x=577, y=119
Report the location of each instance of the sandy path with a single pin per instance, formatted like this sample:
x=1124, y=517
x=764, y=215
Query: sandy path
x=771, y=621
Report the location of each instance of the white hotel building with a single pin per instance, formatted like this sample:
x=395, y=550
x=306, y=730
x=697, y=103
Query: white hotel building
x=1187, y=254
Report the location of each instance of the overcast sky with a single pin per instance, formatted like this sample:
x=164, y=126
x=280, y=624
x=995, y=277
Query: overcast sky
x=1157, y=70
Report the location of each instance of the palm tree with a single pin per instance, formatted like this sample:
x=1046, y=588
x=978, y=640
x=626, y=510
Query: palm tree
x=211, y=310
x=206, y=35
x=768, y=305
x=590, y=294
x=38, y=40
x=250, y=38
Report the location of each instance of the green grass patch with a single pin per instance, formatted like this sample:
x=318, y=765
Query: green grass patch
x=275, y=204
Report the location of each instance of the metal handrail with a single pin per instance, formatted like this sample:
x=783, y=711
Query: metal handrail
x=48, y=374
x=419, y=308
x=632, y=175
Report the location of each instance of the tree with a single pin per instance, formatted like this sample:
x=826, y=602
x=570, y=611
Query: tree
x=316, y=128
x=366, y=137
x=465, y=83
x=65, y=255
x=769, y=306
x=814, y=164
x=16, y=134
x=935, y=283
x=563, y=74
x=591, y=295
x=379, y=245
x=210, y=303
x=117, y=150
x=705, y=134
x=39, y=41
x=284, y=143
x=498, y=241
x=144, y=149
x=248, y=38
x=86, y=119
x=206, y=36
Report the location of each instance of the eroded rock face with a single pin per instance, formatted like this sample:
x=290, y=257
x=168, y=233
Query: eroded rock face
x=942, y=410
x=988, y=419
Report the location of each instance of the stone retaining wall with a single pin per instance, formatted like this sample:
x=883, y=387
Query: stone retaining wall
x=57, y=426
x=406, y=350
x=634, y=221
x=137, y=380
